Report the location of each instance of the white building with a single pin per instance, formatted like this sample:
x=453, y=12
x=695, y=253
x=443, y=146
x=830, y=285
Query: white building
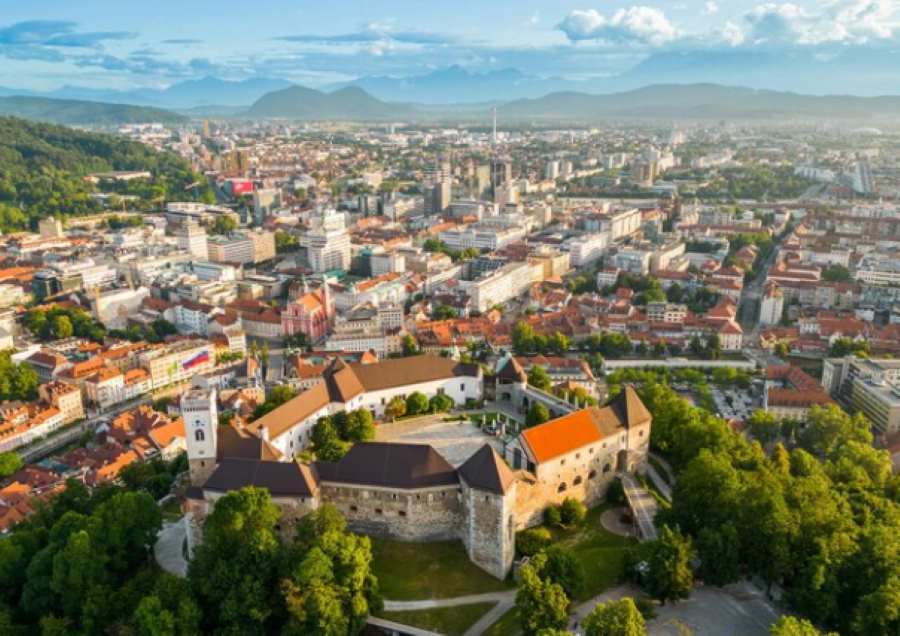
x=201, y=419
x=771, y=305
x=586, y=249
x=192, y=240
x=482, y=237
x=502, y=284
x=327, y=243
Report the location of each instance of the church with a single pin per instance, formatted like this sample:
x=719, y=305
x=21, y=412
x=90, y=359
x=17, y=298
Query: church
x=409, y=492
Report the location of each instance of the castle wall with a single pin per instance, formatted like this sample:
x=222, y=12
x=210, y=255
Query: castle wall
x=490, y=529
x=428, y=514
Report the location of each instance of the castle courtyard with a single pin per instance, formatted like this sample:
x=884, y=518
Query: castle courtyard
x=455, y=440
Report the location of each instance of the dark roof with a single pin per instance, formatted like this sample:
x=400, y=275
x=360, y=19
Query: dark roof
x=397, y=372
x=513, y=371
x=237, y=444
x=279, y=478
x=390, y=465
x=486, y=470
x=629, y=408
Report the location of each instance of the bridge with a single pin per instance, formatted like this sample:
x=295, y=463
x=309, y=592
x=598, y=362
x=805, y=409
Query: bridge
x=643, y=506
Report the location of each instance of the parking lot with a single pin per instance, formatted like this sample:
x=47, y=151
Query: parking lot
x=733, y=403
x=456, y=440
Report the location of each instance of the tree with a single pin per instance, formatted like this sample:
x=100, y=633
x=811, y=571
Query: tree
x=330, y=589
x=152, y=619
x=763, y=426
x=10, y=462
x=827, y=427
x=522, y=337
x=563, y=567
x=669, y=576
x=539, y=378
x=234, y=568
x=410, y=347
x=285, y=242
x=782, y=349
x=540, y=603
x=615, y=618
x=572, y=512
x=837, y=274
x=416, y=403
x=531, y=541
x=224, y=224
x=395, y=408
x=537, y=414
x=558, y=343
x=847, y=347
x=359, y=427
x=277, y=396
x=793, y=626
x=62, y=327
x=440, y=403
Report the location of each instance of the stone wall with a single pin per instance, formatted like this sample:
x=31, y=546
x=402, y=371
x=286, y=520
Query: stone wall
x=490, y=529
x=429, y=514
x=200, y=470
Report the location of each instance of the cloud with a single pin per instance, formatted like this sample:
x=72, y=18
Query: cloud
x=711, y=8
x=636, y=25
x=56, y=33
x=373, y=33
x=181, y=41
x=837, y=21
x=731, y=34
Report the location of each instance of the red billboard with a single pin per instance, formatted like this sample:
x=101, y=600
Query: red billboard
x=240, y=186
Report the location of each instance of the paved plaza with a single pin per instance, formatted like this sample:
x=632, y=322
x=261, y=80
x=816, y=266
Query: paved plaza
x=455, y=440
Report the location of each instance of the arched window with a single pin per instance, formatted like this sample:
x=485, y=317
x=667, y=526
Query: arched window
x=562, y=487
x=576, y=481
x=199, y=435
x=607, y=468
x=592, y=474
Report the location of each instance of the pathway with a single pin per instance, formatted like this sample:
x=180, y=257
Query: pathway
x=642, y=504
x=169, y=546
x=504, y=602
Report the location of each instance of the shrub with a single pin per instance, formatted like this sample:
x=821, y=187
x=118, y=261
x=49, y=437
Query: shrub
x=530, y=542
x=572, y=512
x=563, y=567
x=552, y=516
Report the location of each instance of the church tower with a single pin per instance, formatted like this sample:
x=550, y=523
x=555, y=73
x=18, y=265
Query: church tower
x=201, y=419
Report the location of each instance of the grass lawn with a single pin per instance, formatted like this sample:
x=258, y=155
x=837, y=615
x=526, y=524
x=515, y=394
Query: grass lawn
x=508, y=625
x=601, y=552
x=452, y=621
x=417, y=571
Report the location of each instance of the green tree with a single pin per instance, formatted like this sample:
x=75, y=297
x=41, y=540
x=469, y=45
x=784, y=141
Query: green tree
x=828, y=426
x=564, y=567
x=615, y=618
x=416, y=403
x=669, y=576
x=410, y=347
x=360, y=426
x=558, y=343
x=396, y=407
x=793, y=626
x=763, y=426
x=234, y=568
x=10, y=462
x=540, y=603
x=539, y=378
x=62, y=328
x=224, y=224
x=150, y=618
x=537, y=414
x=522, y=338
x=440, y=403
x=572, y=512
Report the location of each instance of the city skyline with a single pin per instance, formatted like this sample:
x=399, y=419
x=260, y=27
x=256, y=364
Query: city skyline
x=97, y=44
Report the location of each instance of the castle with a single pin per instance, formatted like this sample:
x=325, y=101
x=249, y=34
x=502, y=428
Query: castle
x=409, y=491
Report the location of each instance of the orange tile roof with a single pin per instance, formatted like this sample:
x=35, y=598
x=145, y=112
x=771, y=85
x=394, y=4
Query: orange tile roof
x=562, y=435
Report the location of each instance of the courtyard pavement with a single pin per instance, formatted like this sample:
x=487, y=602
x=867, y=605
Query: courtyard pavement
x=456, y=440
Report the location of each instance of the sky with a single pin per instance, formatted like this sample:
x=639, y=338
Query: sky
x=45, y=44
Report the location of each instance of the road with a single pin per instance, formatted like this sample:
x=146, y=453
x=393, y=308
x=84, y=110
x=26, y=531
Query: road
x=65, y=437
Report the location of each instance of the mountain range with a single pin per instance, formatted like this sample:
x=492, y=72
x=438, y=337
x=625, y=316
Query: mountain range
x=79, y=112
x=207, y=91
x=351, y=103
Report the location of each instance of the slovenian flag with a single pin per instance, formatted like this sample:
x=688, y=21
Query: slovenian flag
x=200, y=358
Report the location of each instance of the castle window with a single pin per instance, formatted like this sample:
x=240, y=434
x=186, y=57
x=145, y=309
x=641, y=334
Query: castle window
x=577, y=455
x=353, y=508
x=576, y=481
x=641, y=433
x=379, y=511
x=402, y=513
x=199, y=435
x=486, y=499
x=591, y=450
x=462, y=387
x=592, y=474
x=562, y=487
x=607, y=468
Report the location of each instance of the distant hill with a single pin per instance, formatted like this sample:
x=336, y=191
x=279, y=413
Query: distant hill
x=351, y=103
x=699, y=101
x=70, y=111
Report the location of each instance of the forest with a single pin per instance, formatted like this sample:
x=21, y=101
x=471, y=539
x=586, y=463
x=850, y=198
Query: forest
x=42, y=170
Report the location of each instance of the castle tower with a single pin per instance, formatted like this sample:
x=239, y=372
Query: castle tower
x=489, y=523
x=201, y=419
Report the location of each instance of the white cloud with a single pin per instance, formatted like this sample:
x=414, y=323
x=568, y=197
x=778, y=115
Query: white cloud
x=731, y=34
x=711, y=8
x=635, y=25
x=836, y=21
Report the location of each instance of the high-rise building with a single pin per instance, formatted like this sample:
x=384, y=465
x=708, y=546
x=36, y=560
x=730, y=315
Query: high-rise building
x=327, y=243
x=551, y=171
x=772, y=304
x=481, y=181
x=437, y=197
x=501, y=173
x=192, y=240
